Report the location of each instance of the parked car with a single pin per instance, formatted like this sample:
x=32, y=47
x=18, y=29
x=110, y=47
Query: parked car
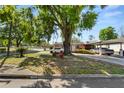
x=104, y=51
x=56, y=50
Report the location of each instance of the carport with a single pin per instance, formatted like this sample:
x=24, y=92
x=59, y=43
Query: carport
x=119, y=41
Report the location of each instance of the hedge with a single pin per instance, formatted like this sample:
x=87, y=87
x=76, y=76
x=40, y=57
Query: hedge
x=84, y=51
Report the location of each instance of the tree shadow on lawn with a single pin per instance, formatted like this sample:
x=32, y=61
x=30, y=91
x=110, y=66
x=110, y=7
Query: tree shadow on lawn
x=36, y=63
x=30, y=61
x=15, y=55
x=31, y=51
x=78, y=65
x=5, y=68
x=71, y=65
x=49, y=65
x=66, y=61
x=3, y=61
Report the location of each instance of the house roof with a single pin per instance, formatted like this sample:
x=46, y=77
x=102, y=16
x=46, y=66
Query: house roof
x=112, y=41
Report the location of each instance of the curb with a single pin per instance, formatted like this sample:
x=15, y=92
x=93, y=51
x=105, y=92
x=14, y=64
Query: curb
x=58, y=76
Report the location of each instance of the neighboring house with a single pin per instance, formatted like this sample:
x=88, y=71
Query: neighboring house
x=75, y=46
x=115, y=44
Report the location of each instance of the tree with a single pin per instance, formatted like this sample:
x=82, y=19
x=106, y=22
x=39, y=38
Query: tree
x=17, y=22
x=3, y=37
x=69, y=19
x=108, y=33
x=122, y=31
x=75, y=40
x=91, y=37
x=7, y=15
x=18, y=28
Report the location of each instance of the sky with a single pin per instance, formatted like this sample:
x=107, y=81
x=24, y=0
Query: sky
x=109, y=16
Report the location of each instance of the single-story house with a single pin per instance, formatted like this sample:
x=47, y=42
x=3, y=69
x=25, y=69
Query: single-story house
x=75, y=46
x=116, y=44
x=87, y=46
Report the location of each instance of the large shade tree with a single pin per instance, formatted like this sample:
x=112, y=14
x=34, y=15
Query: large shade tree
x=69, y=19
x=108, y=33
x=75, y=40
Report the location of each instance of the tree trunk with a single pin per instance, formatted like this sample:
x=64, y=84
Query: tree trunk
x=9, y=39
x=67, y=49
x=67, y=42
x=17, y=45
x=18, y=42
x=21, y=53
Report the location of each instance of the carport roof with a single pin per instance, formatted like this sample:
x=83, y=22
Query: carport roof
x=112, y=41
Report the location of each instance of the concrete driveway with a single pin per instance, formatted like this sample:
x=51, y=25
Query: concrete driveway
x=105, y=58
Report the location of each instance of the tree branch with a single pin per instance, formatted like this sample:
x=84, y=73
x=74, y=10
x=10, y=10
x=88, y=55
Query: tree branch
x=55, y=17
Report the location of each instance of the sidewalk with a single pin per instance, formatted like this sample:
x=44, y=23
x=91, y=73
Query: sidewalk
x=63, y=83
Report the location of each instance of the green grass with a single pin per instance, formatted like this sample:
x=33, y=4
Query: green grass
x=44, y=63
x=15, y=60
x=73, y=65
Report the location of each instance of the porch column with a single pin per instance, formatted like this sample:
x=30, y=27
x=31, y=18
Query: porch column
x=108, y=46
x=96, y=46
x=100, y=51
x=121, y=50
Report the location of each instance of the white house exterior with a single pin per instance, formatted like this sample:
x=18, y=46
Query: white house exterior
x=116, y=47
x=116, y=44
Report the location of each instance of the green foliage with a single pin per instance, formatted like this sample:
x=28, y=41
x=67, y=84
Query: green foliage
x=91, y=37
x=88, y=20
x=84, y=51
x=5, y=42
x=24, y=26
x=75, y=40
x=69, y=19
x=108, y=33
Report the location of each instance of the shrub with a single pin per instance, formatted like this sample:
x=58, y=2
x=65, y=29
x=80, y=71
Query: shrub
x=21, y=51
x=2, y=50
x=84, y=51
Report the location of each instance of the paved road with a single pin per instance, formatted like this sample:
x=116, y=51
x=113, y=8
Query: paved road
x=104, y=58
x=64, y=83
x=29, y=51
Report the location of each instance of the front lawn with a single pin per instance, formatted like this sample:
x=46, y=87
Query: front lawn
x=44, y=63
